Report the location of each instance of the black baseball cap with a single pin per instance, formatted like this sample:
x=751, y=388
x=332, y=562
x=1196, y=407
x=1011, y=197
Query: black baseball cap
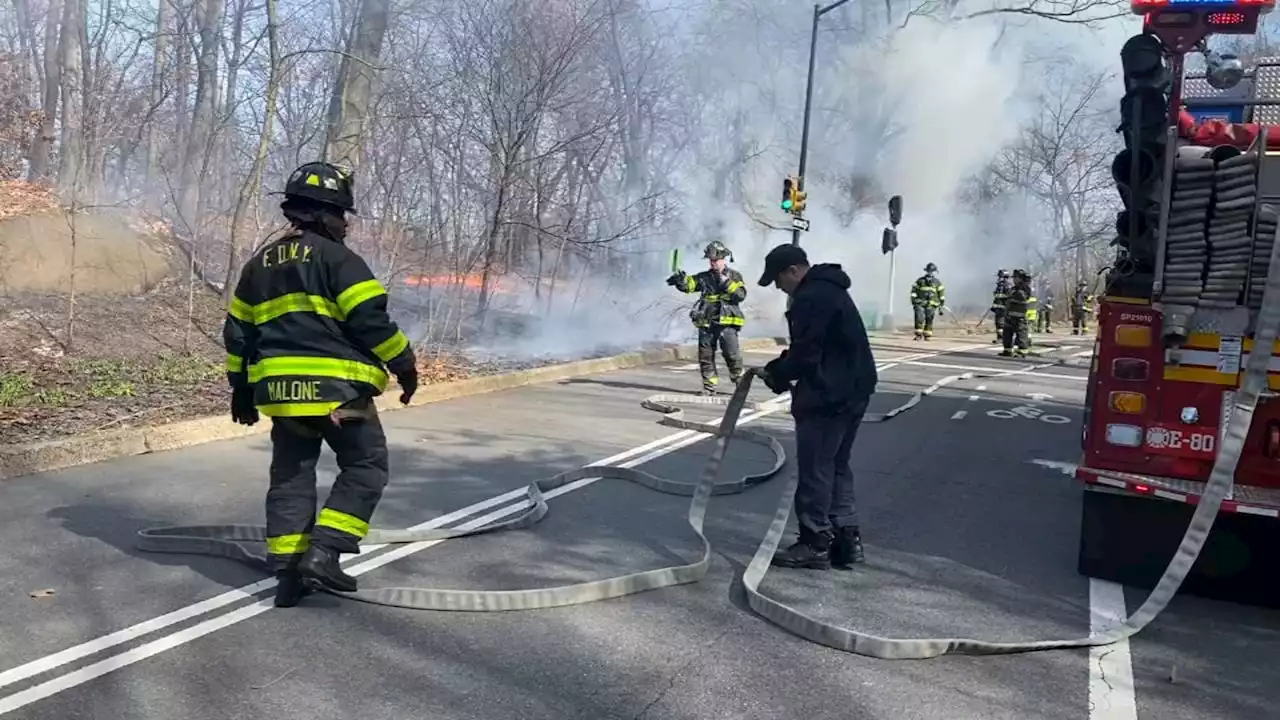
x=780, y=258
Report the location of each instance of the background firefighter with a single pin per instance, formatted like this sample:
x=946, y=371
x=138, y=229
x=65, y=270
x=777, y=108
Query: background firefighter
x=998, y=297
x=1045, y=316
x=927, y=299
x=717, y=314
x=1081, y=308
x=1015, y=316
x=307, y=334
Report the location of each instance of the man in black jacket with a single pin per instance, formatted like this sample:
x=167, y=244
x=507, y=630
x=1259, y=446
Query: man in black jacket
x=831, y=374
x=307, y=336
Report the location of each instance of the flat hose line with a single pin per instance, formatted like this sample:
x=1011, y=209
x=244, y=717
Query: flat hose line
x=230, y=540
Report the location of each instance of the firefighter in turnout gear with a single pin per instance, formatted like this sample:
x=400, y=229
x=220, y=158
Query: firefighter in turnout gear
x=1033, y=310
x=1046, y=310
x=927, y=299
x=717, y=314
x=998, y=297
x=1015, y=315
x=1081, y=309
x=307, y=336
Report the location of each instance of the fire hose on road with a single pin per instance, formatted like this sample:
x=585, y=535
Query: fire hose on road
x=231, y=541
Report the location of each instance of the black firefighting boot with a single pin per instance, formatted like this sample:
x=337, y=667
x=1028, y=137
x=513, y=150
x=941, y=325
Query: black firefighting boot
x=846, y=549
x=291, y=587
x=1007, y=352
x=321, y=564
x=811, y=551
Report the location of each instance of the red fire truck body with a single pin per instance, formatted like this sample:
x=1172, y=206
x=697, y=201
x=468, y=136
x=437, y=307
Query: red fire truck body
x=1158, y=396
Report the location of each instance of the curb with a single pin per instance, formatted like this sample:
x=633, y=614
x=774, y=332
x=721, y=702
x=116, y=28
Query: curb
x=43, y=456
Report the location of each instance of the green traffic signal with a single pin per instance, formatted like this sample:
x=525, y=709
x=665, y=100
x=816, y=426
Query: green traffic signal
x=786, y=204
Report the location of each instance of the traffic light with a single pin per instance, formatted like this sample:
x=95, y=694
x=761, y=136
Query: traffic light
x=888, y=241
x=1138, y=169
x=789, y=193
x=798, y=202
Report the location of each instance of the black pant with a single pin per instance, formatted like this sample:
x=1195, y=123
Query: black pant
x=1044, y=320
x=824, y=492
x=361, y=450
x=726, y=336
x=1079, y=321
x=924, y=319
x=998, y=316
x=1015, y=328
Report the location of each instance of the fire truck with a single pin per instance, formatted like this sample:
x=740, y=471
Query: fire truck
x=1199, y=178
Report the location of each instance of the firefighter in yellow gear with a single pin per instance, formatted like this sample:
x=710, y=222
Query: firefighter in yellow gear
x=717, y=314
x=1081, y=309
x=309, y=343
x=928, y=295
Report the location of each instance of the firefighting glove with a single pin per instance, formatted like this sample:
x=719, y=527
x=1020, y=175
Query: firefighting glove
x=771, y=380
x=406, y=372
x=242, y=407
x=677, y=279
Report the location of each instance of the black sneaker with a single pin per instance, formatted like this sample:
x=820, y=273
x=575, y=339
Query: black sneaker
x=321, y=564
x=846, y=549
x=291, y=587
x=810, y=552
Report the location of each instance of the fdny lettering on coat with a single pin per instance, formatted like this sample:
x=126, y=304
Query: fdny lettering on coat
x=286, y=253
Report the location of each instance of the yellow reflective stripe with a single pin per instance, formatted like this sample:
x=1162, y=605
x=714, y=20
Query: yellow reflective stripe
x=288, y=544
x=318, y=367
x=295, y=302
x=338, y=520
x=351, y=298
x=391, y=347
x=711, y=298
x=240, y=310
x=310, y=409
x=235, y=363
x=690, y=283
x=733, y=286
x=731, y=321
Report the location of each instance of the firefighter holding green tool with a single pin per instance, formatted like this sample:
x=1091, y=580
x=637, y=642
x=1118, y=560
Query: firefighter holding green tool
x=717, y=314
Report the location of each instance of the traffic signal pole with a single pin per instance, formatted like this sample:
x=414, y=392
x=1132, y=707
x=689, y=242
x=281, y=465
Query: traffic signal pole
x=818, y=12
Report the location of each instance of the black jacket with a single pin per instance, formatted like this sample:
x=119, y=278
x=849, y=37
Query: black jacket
x=308, y=328
x=829, y=357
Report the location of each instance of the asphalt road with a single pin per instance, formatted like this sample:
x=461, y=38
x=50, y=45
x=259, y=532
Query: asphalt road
x=966, y=536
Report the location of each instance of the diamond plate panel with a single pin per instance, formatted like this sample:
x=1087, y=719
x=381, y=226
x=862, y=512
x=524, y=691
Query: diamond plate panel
x=1266, y=86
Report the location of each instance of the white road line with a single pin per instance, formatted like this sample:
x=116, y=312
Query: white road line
x=959, y=414
x=1003, y=371
x=645, y=453
x=186, y=635
x=1111, y=694
x=974, y=398
x=203, y=607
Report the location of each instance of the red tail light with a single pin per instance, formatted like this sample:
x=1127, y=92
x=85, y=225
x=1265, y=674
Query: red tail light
x=1130, y=369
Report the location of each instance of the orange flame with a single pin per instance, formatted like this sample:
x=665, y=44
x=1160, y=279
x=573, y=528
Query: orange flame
x=475, y=281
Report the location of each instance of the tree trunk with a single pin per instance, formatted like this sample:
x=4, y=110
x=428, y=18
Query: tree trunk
x=71, y=147
x=202, y=118
x=161, y=63
x=249, y=191
x=38, y=165
x=353, y=92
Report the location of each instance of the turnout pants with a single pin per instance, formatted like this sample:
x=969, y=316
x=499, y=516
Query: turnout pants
x=726, y=336
x=1044, y=321
x=1015, y=328
x=997, y=315
x=361, y=450
x=824, y=491
x=1079, y=321
x=924, y=319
